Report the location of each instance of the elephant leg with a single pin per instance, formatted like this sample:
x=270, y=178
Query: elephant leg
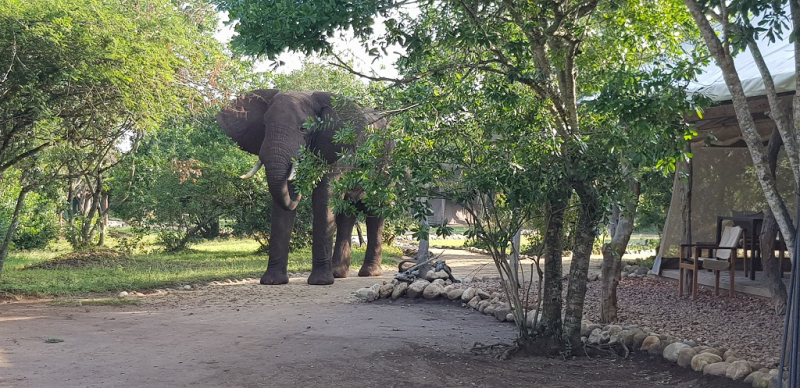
x=280, y=233
x=322, y=235
x=341, y=250
x=372, y=257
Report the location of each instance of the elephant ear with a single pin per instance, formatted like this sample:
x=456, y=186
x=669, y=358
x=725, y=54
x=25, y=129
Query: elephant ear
x=243, y=120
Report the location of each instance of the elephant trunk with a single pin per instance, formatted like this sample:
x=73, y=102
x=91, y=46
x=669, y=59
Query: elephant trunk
x=278, y=162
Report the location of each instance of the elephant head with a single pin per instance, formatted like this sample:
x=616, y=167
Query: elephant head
x=270, y=124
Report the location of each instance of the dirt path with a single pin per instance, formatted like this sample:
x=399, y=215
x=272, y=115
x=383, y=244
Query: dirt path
x=248, y=335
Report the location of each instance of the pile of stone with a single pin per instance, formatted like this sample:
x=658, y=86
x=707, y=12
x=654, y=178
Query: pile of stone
x=686, y=353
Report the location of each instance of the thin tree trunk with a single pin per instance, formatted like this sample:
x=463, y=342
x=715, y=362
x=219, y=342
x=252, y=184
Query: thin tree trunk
x=794, y=6
x=610, y=272
x=588, y=219
x=769, y=231
x=104, y=222
x=686, y=211
x=553, y=241
x=777, y=114
x=613, y=251
x=12, y=226
x=422, y=250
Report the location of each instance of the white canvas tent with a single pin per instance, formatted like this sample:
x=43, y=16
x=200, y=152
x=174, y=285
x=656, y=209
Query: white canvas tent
x=724, y=180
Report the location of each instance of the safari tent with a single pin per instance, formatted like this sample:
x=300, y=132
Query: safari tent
x=723, y=182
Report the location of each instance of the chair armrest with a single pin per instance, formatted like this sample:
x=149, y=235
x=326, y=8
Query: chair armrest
x=701, y=244
x=707, y=245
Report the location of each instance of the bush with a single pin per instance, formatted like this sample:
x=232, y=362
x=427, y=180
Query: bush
x=253, y=220
x=37, y=225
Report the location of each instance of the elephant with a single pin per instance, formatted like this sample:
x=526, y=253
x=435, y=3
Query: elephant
x=273, y=125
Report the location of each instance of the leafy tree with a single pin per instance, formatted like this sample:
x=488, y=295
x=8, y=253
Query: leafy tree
x=547, y=56
x=39, y=218
x=187, y=178
x=88, y=64
x=654, y=201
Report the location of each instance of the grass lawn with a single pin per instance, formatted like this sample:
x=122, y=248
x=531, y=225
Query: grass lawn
x=461, y=242
x=208, y=261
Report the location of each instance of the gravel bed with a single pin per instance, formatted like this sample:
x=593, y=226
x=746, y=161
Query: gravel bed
x=745, y=324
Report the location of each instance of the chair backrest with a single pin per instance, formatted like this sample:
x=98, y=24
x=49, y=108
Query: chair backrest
x=730, y=238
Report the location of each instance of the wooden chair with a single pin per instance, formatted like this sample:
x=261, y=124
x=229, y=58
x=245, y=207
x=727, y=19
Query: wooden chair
x=719, y=257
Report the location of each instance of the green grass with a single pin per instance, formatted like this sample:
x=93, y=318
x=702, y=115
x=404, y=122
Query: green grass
x=205, y=262
x=461, y=242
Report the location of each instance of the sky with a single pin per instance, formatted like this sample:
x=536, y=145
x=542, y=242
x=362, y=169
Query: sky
x=345, y=45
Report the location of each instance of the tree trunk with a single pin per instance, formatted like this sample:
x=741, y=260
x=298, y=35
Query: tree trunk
x=769, y=231
x=104, y=221
x=550, y=324
x=686, y=211
x=513, y=258
x=422, y=249
x=590, y=215
x=613, y=251
x=12, y=226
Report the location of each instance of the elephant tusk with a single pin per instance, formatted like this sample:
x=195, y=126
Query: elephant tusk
x=252, y=170
x=292, y=172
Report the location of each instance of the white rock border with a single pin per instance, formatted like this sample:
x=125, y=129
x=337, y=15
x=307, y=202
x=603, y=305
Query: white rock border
x=686, y=353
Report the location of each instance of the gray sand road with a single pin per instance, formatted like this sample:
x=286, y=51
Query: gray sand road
x=218, y=335
x=248, y=335
x=199, y=338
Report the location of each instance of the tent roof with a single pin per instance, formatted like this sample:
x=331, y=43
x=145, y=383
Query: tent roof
x=778, y=55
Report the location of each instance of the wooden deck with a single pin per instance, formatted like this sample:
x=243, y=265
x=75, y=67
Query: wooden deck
x=705, y=278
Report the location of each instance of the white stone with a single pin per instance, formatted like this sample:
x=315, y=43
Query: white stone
x=649, y=342
x=594, y=336
x=671, y=351
x=385, y=291
x=716, y=369
x=432, y=291
x=123, y=294
x=685, y=356
x=455, y=294
x=701, y=360
x=738, y=370
x=468, y=294
x=473, y=303
x=501, y=310
x=366, y=293
x=399, y=290
x=614, y=329
x=416, y=288
x=376, y=288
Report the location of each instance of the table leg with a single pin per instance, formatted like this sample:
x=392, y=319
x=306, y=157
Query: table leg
x=753, y=252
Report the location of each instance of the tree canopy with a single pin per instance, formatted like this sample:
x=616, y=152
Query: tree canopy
x=72, y=68
x=501, y=94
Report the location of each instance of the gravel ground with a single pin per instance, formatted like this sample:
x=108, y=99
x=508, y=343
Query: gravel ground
x=746, y=324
